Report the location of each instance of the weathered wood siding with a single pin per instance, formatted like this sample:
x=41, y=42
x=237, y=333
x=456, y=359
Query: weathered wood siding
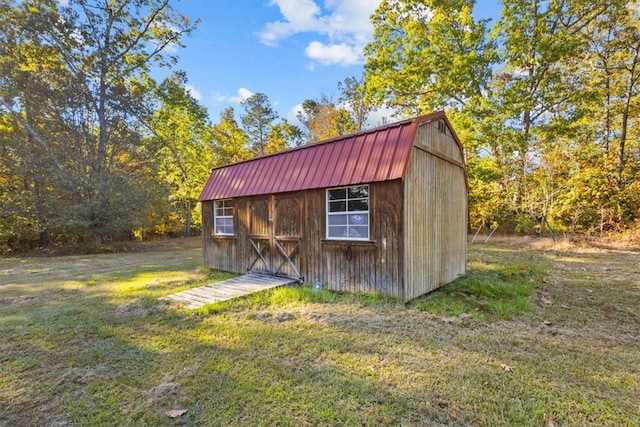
x=435, y=212
x=271, y=225
x=223, y=252
x=372, y=266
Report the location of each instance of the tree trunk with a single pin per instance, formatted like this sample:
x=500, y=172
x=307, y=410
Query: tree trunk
x=187, y=220
x=45, y=241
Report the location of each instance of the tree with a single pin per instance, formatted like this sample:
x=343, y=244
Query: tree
x=427, y=55
x=283, y=135
x=181, y=143
x=85, y=61
x=539, y=41
x=257, y=120
x=324, y=120
x=544, y=103
x=608, y=115
x=353, y=97
x=32, y=78
x=231, y=143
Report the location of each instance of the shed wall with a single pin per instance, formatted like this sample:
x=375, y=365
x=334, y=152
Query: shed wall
x=436, y=212
x=374, y=266
x=224, y=253
x=355, y=266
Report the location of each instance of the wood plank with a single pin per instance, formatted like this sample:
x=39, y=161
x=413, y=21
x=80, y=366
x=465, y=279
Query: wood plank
x=227, y=289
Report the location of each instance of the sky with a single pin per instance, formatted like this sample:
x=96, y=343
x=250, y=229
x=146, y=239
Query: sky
x=290, y=50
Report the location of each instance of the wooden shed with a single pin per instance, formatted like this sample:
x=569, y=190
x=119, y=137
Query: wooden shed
x=382, y=210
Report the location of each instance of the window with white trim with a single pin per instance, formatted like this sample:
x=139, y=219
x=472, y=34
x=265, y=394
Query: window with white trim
x=223, y=217
x=348, y=213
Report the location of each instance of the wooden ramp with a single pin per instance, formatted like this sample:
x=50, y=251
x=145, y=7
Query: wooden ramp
x=228, y=289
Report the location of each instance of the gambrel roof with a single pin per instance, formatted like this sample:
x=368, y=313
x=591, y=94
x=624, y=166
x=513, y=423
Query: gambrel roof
x=374, y=155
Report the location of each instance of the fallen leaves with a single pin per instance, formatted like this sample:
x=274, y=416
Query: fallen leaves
x=175, y=413
x=503, y=366
x=546, y=300
x=548, y=418
x=506, y=367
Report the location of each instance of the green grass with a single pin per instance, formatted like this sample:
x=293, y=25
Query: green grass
x=99, y=348
x=490, y=290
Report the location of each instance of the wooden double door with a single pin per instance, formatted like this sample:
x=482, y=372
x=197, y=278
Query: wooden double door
x=276, y=235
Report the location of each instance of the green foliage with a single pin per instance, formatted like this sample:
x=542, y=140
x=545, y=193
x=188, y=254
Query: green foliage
x=545, y=102
x=231, y=142
x=426, y=56
x=70, y=86
x=264, y=134
x=181, y=144
x=282, y=136
x=257, y=120
x=352, y=95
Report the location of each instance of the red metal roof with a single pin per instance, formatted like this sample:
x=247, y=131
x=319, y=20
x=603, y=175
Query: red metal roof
x=379, y=154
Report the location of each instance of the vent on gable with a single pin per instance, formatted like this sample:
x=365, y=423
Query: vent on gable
x=442, y=127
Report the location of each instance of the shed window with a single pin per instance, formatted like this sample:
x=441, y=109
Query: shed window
x=223, y=217
x=348, y=213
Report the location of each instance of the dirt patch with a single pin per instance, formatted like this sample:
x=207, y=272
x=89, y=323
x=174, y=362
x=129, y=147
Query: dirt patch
x=18, y=299
x=565, y=244
x=140, y=310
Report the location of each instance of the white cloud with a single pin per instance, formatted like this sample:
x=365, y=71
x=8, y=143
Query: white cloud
x=243, y=94
x=381, y=116
x=217, y=97
x=300, y=16
x=194, y=92
x=341, y=54
x=292, y=116
x=344, y=27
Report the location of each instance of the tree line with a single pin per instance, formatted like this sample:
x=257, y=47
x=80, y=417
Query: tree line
x=544, y=99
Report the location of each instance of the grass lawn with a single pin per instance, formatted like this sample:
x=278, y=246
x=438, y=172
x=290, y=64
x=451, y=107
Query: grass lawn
x=546, y=336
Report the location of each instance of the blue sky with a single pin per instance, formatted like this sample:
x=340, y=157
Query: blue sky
x=290, y=50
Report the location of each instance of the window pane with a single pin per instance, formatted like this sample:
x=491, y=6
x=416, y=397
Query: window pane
x=223, y=225
x=337, y=231
x=361, y=232
x=358, y=219
x=337, y=219
x=223, y=207
x=342, y=220
x=358, y=192
x=354, y=233
x=340, y=193
x=359, y=205
x=337, y=206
